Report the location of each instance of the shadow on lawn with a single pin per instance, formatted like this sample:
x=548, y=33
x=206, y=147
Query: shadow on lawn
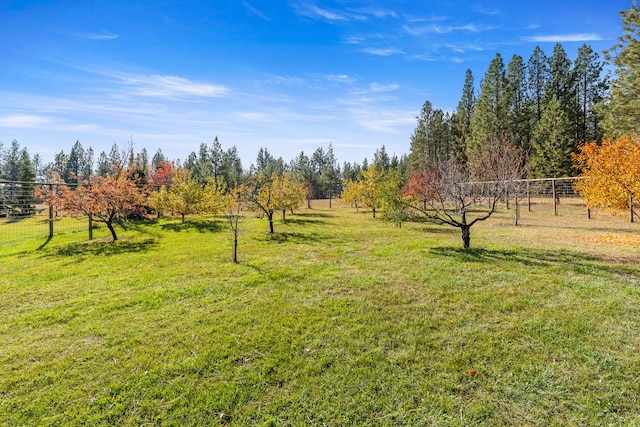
x=313, y=215
x=199, y=225
x=443, y=229
x=302, y=221
x=293, y=238
x=578, y=262
x=104, y=247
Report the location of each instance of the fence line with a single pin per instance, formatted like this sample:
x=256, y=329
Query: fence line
x=22, y=215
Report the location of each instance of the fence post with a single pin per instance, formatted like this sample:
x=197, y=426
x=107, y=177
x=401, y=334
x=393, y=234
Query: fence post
x=555, y=202
x=50, y=214
x=528, y=196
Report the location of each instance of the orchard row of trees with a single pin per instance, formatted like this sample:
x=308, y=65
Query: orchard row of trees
x=529, y=119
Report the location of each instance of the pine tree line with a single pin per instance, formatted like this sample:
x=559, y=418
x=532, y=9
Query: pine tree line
x=547, y=106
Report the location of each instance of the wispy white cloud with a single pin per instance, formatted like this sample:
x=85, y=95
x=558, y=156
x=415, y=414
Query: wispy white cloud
x=445, y=29
x=255, y=11
x=24, y=121
x=486, y=11
x=340, y=78
x=172, y=87
x=376, y=13
x=101, y=35
x=416, y=19
x=465, y=47
x=315, y=12
x=382, y=51
x=559, y=38
x=282, y=80
x=378, y=87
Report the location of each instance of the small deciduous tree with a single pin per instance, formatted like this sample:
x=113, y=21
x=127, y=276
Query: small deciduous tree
x=185, y=197
x=290, y=194
x=352, y=193
x=611, y=174
x=271, y=193
x=232, y=205
x=373, y=188
x=461, y=196
x=102, y=199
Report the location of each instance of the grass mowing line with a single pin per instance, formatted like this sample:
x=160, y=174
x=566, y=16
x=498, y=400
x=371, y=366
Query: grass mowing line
x=337, y=319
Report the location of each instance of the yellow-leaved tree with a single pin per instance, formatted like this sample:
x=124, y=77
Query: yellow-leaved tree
x=611, y=172
x=271, y=193
x=353, y=193
x=373, y=191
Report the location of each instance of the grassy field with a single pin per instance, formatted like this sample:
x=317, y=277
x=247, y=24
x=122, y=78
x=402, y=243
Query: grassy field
x=337, y=319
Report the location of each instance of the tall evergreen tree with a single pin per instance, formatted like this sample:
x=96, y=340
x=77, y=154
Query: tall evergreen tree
x=231, y=168
x=157, y=159
x=490, y=117
x=461, y=122
x=116, y=159
x=621, y=108
x=552, y=143
x=560, y=78
x=215, y=158
x=11, y=163
x=381, y=159
x=26, y=171
x=590, y=89
x=538, y=71
x=419, y=154
x=519, y=112
x=104, y=167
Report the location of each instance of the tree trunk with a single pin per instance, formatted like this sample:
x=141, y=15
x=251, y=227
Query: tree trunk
x=183, y=218
x=112, y=230
x=374, y=212
x=284, y=214
x=235, y=246
x=270, y=218
x=90, y=227
x=466, y=235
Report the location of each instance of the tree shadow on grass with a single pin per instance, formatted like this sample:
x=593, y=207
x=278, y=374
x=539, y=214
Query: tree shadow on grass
x=199, y=225
x=577, y=262
x=313, y=215
x=434, y=229
x=291, y=238
x=302, y=221
x=103, y=247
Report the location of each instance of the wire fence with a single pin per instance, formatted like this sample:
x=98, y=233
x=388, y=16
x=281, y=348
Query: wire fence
x=23, y=215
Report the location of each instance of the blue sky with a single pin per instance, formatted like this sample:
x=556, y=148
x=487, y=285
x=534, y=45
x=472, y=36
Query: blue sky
x=289, y=75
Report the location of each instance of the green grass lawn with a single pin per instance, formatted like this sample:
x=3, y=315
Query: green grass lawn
x=337, y=319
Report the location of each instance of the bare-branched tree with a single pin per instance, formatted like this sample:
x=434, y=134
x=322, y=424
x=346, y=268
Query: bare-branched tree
x=462, y=195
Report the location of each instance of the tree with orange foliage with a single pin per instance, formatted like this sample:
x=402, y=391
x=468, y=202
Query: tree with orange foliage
x=102, y=199
x=162, y=175
x=611, y=174
x=419, y=186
